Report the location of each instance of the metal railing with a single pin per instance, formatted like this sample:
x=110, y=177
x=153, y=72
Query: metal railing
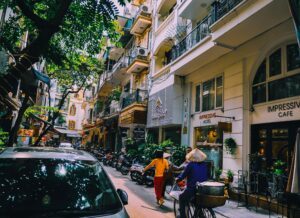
x=121, y=63
x=138, y=96
x=196, y=35
x=219, y=9
x=222, y=7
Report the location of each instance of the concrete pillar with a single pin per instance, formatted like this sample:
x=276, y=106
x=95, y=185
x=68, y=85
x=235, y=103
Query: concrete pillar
x=160, y=134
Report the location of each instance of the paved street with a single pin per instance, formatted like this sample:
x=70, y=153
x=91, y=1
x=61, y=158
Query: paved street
x=142, y=202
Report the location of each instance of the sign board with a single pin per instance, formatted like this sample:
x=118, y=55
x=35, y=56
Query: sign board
x=276, y=112
x=225, y=126
x=158, y=111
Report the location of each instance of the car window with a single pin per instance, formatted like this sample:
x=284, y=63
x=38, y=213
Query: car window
x=43, y=185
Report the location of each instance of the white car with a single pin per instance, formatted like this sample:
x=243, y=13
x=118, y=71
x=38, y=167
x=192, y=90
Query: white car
x=66, y=145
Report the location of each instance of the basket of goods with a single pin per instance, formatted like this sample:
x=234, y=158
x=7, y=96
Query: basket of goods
x=210, y=194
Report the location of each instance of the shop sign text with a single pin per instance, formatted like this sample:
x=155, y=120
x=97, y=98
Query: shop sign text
x=284, y=109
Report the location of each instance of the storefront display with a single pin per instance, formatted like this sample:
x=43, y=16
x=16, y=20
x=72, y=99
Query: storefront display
x=209, y=140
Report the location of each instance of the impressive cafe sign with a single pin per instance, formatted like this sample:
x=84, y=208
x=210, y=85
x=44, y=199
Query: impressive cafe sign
x=284, y=109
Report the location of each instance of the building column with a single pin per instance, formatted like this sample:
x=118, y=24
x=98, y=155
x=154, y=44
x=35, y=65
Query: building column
x=160, y=134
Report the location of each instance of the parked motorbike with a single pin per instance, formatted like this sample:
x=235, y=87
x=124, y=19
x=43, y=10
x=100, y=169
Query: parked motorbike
x=126, y=165
x=146, y=178
x=120, y=162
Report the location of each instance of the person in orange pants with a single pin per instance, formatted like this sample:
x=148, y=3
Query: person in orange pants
x=161, y=165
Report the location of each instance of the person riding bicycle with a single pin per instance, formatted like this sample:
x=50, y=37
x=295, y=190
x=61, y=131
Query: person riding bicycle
x=195, y=171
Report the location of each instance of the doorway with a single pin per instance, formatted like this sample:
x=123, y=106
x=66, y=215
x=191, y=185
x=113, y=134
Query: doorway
x=273, y=142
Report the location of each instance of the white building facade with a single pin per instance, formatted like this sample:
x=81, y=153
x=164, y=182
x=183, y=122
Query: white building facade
x=234, y=72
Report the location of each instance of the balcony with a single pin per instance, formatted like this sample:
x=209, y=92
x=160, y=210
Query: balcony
x=119, y=68
x=193, y=10
x=142, y=20
x=134, y=108
x=105, y=84
x=200, y=32
x=138, y=97
x=138, y=60
x=112, y=108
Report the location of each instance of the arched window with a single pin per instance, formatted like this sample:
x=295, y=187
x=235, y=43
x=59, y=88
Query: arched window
x=278, y=76
x=73, y=110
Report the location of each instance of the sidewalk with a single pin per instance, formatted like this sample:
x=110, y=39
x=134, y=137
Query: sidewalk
x=230, y=210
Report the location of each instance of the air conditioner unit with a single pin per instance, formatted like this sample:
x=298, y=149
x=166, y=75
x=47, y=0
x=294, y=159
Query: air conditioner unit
x=142, y=52
x=145, y=9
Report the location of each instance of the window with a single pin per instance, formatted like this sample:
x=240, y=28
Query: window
x=287, y=81
x=198, y=96
x=73, y=110
x=208, y=95
x=219, y=91
x=71, y=124
x=211, y=94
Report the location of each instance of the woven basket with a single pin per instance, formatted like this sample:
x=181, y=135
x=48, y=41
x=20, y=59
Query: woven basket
x=210, y=201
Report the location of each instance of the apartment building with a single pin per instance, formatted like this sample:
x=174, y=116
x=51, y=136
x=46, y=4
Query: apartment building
x=123, y=87
x=226, y=69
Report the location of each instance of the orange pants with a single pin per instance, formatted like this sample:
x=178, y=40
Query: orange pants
x=158, y=187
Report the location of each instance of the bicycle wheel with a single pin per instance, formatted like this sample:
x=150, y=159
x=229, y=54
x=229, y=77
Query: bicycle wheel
x=204, y=213
x=176, y=208
x=189, y=209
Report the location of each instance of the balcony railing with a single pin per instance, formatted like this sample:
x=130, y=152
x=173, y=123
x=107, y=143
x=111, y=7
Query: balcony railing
x=121, y=63
x=195, y=36
x=139, y=96
x=219, y=9
x=222, y=7
x=112, y=108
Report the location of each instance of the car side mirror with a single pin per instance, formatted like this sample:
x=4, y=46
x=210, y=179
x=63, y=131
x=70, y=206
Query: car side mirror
x=123, y=195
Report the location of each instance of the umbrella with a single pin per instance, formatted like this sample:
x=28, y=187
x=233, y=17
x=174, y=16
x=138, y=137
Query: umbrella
x=294, y=176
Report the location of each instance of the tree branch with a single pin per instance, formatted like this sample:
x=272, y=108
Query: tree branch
x=38, y=21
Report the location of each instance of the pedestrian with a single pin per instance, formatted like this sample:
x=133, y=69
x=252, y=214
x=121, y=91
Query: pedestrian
x=161, y=166
x=195, y=171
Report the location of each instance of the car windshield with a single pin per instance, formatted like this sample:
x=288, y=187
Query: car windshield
x=38, y=186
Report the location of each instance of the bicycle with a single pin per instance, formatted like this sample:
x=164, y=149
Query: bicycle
x=194, y=209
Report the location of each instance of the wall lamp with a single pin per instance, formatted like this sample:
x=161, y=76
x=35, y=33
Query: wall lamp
x=252, y=109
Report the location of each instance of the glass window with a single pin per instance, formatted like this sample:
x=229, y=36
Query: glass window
x=198, y=96
x=219, y=92
x=55, y=187
x=208, y=99
x=259, y=94
x=293, y=57
x=275, y=63
x=260, y=74
x=284, y=88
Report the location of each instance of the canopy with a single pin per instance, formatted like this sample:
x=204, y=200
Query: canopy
x=41, y=76
x=69, y=133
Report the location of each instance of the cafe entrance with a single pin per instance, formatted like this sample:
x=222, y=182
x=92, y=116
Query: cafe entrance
x=273, y=142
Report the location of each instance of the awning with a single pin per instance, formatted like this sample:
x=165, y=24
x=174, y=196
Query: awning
x=41, y=76
x=69, y=133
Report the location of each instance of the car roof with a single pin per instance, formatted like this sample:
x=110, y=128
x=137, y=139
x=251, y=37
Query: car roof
x=46, y=153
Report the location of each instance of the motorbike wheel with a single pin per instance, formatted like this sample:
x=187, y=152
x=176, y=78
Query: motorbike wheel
x=133, y=176
x=149, y=183
x=139, y=179
x=124, y=171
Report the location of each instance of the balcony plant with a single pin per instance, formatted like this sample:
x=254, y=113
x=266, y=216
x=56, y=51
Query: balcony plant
x=230, y=145
x=279, y=168
x=115, y=94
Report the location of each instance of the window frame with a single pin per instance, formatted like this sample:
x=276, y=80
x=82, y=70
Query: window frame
x=215, y=94
x=284, y=71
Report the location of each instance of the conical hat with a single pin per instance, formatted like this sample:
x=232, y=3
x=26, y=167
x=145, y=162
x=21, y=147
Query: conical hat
x=196, y=156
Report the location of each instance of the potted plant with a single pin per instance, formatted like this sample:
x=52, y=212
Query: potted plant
x=279, y=168
x=218, y=172
x=230, y=145
x=230, y=175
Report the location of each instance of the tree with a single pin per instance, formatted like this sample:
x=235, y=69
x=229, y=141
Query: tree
x=59, y=31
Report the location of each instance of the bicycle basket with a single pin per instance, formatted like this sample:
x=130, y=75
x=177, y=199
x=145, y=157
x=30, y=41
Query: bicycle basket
x=210, y=201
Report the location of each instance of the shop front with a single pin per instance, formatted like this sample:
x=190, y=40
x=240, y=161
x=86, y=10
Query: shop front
x=164, y=119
